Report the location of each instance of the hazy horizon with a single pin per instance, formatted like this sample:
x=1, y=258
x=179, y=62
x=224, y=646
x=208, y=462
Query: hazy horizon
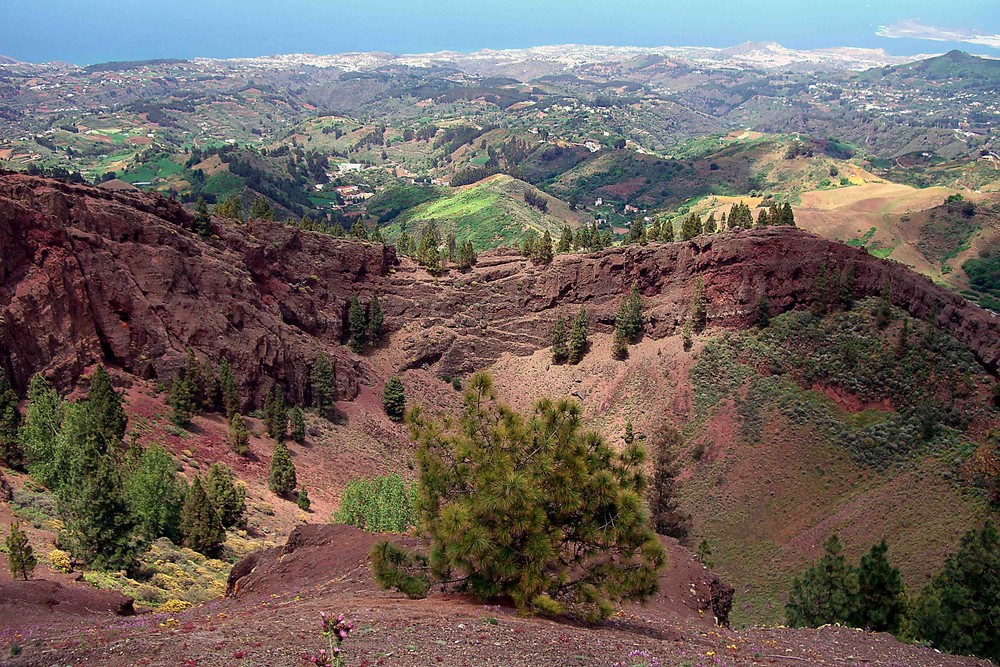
x=59, y=30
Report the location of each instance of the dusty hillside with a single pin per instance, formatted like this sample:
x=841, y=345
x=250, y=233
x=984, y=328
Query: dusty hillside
x=91, y=276
x=274, y=619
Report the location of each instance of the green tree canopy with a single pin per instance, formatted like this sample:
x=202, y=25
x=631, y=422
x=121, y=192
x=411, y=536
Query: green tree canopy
x=826, y=592
x=155, y=495
x=324, y=388
x=486, y=501
x=281, y=473
x=41, y=427
x=578, y=342
x=231, y=400
x=11, y=452
x=560, y=351
x=226, y=497
x=668, y=518
x=200, y=523
x=394, y=398
x=20, y=556
x=958, y=610
x=881, y=601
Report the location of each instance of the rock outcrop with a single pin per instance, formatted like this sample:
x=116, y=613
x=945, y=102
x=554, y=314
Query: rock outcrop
x=88, y=275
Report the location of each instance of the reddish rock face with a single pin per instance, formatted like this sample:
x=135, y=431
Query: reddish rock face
x=89, y=275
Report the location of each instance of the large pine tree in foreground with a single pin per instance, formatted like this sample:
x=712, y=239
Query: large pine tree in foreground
x=530, y=507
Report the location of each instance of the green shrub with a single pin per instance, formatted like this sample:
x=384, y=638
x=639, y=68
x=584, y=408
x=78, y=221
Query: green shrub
x=378, y=505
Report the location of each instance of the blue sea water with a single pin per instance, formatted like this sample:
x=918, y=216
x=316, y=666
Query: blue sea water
x=89, y=31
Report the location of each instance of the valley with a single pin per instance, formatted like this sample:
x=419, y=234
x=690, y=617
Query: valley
x=746, y=297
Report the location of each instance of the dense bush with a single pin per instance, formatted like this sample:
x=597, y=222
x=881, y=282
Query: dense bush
x=486, y=503
x=377, y=504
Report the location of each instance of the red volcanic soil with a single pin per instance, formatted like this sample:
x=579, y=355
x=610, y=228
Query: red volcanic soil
x=274, y=619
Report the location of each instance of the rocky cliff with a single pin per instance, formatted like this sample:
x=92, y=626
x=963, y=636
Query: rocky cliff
x=90, y=275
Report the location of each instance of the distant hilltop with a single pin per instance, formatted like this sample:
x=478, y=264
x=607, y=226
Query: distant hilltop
x=756, y=55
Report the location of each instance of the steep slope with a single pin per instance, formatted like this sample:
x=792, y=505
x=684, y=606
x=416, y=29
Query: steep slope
x=91, y=276
x=490, y=213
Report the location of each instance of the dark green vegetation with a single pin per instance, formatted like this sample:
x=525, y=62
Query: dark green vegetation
x=115, y=500
x=281, y=473
x=831, y=415
x=378, y=505
x=952, y=612
x=844, y=350
x=20, y=556
x=503, y=538
x=984, y=278
x=394, y=399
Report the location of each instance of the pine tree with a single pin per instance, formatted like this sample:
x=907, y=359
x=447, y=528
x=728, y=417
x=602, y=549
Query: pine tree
x=560, y=351
x=691, y=227
x=376, y=320
x=667, y=231
x=578, y=341
x=654, y=232
x=492, y=529
x=957, y=611
x=377, y=236
x=394, y=399
x=281, y=474
x=452, y=245
x=231, y=400
x=763, y=315
x=528, y=244
x=193, y=369
x=200, y=523
x=183, y=400
x=202, y=221
x=880, y=603
x=41, y=426
x=710, y=226
x=541, y=252
x=903, y=342
x=297, y=424
x=261, y=210
x=403, y=243
x=239, y=435
x=106, y=406
x=100, y=530
x=231, y=208
x=698, y=316
x=629, y=317
x=466, y=256
x=883, y=308
x=11, y=452
x=227, y=498
x=667, y=516
x=565, y=239
x=359, y=231
x=324, y=386
x=762, y=220
x=20, y=555
x=302, y=501
x=773, y=216
x=619, y=345
x=155, y=495
x=357, y=323
x=786, y=216
x=276, y=414
x=636, y=233
x=826, y=592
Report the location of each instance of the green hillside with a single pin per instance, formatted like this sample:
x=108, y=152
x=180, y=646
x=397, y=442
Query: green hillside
x=490, y=213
